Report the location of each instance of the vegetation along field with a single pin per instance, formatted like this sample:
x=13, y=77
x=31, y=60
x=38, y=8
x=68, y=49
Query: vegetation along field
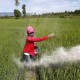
x=12, y=40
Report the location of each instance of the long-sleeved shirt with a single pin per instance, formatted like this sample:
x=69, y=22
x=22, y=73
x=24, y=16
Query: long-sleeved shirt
x=29, y=45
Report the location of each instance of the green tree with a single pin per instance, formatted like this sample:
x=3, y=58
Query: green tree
x=24, y=10
x=77, y=11
x=17, y=13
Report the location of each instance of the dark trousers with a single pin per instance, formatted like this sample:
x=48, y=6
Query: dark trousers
x=27, y=58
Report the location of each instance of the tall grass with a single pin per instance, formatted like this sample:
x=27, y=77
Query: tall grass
x=12, y=40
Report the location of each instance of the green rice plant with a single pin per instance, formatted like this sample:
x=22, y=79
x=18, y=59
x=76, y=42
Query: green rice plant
x=12, y=40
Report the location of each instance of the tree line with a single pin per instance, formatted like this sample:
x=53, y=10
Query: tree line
x=17, y=13
x=61, y=14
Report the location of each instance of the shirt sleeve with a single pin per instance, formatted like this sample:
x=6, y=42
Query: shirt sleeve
x=32, y=39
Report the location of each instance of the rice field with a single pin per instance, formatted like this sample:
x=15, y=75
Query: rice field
x=12, y=40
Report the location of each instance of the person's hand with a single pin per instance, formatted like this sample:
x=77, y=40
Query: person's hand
x=51, y=35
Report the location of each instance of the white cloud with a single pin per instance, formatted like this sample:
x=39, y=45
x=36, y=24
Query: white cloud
x=41, y=6
x=6, y=5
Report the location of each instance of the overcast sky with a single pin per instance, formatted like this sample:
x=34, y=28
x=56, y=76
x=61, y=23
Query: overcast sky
x=40, y=6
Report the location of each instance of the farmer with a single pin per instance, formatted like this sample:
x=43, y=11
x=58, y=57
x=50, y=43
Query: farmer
x=28, y=50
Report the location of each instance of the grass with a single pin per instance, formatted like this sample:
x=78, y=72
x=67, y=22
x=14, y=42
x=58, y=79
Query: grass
x=12, y=40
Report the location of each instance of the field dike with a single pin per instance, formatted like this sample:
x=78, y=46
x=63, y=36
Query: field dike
x=58, y=57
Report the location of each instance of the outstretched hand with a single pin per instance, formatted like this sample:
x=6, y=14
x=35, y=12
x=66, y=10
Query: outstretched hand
x=51, y=35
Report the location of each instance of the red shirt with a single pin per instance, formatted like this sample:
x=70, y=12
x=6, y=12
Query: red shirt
x=29, y=45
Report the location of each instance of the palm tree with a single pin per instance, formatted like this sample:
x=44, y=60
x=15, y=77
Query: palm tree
x=24, y=10
x=16, y=2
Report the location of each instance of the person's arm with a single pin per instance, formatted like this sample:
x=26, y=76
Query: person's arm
x=32, y=39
